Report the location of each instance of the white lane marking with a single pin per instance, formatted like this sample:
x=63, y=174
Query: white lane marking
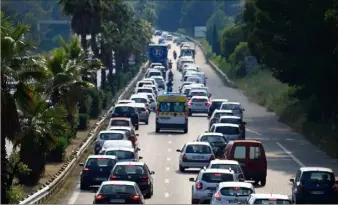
x=166, y=181
x=254, y=132
x=290, y=154
x=169, y=150
x=169, y=142
x=168, y=158
x=167, y=168
x=75, y=195
x=166, y=195
x=169, y=135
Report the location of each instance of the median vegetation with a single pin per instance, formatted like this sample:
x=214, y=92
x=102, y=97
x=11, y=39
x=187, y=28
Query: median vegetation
x=288, y=65
x=50, y=100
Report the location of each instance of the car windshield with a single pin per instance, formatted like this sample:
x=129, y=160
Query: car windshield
x=121, y=154
x=123, y=109
x=236, y=168
x=119, y=123
x=231, y=121
x=199, y=100
x=100, y=162
x=172, y=107
x=117, y=189
x=197, y=93
x=272, y=201
x=317, y=177
x=217, y=177
x=227, y=130
x=129, y=170
x=198, y=149
x=140, y=100
x=230, y=107
x=143, y=90
x=236, y=191
x=214, y=139
x=111, y=136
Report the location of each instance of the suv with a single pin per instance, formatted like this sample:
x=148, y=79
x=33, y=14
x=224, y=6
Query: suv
x=127, y=110
x=206, y=183
x=313, y=185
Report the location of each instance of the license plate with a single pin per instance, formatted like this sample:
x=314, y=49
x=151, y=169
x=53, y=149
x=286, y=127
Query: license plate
x=101, y=179
x=165, y=118
x=317, y=192
x=117, y=201
x=198, y=157
x=199, y=105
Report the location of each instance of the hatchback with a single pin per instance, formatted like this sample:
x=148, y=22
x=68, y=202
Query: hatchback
x=108, y=135
x=232, y=193
x=229, y=131
x=122, y=153
x=198, y=104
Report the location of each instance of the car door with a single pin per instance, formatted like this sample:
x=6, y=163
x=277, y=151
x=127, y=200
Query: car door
x=148, y=173
x=182, y=153
x=297, y=179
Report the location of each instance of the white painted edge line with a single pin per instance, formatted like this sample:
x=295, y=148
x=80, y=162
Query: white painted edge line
x=75, y=195
x=290, y=155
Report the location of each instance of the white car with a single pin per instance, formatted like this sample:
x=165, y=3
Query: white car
x=151, y=79
x=232, y=193
x=194, y=79
x=117, y=144
x=195, y=155
x=229, y=131
x=217, y=114
x=123, y=154
x=159, y=81
x=152, y=87
x=268, y=199
x=184, y=84
x=203, y=88
x=206, y=183
x=234, y=106
x=198, y=104
x=155, y=64
x=153, y=72
x=125, y=102
x=141, y=83
x=227, y=164
x=138, y=98
x=196, y=92
x=145, y=90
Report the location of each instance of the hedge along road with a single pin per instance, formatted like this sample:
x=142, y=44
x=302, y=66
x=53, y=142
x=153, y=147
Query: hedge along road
x=286, y=151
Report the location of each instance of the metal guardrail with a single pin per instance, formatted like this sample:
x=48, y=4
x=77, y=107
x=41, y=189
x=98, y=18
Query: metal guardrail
x=43, y=194
x=224, y=77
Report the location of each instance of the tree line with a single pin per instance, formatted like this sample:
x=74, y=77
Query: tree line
x=46, y=98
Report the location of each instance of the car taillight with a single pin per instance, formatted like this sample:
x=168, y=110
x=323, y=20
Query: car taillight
x=99, y=196
x=207, y=104
x=299, y=188
x=144, y=178
x=209, y=95
x=147, y=105
x=184, y=157
x=97, y=143
x=113, y=177
x=212, y=157
x=199, y=185
x=145, y=111
x=85, y=170
x=213, y=119
x=242, y=127
x=218, y=196
x=135, y=197
x=240, y=176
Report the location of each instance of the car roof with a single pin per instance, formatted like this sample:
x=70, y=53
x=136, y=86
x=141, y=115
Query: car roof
x=130, y=163
x=129, y=183
x=219, y=100
x=144, y=88
x=211, y=134
x=198, y=90
x=101, y=156
x=137, y=95
x=245, y=141
x=322, y=169
x=224, y=161
x=120, y=148
x=226, y=171
x=156, y=76
x=200, y=97
x=234, y=103
x=111, y=131
x=223, y=111
x=230, y=117
x=125, y=105
x=197, y=143
x=120, y=118
x=120, y=127
x=118, y=142
x=154, y=70
x=267, y=196
x=140, y=105
x=147, y=79
x=235, y=184
x=225, y=125
x=144, y=81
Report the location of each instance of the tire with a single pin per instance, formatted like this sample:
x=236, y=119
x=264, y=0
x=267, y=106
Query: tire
x=83, y=186
x=149, y=193
x=256, y=182
x=263, y=182
x=136, y=127
x=146, y=122
x=181, y=168
x=185, y=130
x=157, y=129
x=190, y=113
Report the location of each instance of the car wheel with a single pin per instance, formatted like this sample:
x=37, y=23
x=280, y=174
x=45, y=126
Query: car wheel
x=190, y=113
x=146, y=122
x=181, y=168
x=83, y=186
x=136, y=127
x=185, y=130
x=263, y=182
x=157, y=129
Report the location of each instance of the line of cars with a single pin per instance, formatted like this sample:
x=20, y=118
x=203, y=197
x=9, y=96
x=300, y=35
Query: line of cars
x=231, y=165
x=116, y=167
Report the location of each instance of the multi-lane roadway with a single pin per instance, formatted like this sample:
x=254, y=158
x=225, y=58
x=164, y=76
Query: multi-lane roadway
x=286, y=150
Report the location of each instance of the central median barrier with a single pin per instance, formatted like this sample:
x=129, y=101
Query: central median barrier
x=56, y=182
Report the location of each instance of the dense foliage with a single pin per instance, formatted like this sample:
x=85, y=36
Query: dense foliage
x=46, y=98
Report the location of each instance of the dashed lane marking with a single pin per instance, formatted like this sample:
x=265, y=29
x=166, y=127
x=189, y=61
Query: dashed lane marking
x=166, y=181
x=168, y=158
x=290, y=154
x=167, y=168
x=166, y=195
x=169, y=150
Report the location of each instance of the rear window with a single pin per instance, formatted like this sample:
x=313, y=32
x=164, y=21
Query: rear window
x=231, y=121
x=144, y=83
x=227, y=130
x=123, y=109
x=141, y=109
x=159, y=80
x=198, y=94
x=187, y=62
x=230, y=107
x=216, y=139
x=128, y=132
x=111, y=136
x=129, y=170
x=255, y=152
x=236, y=191
x=240, y=152
x=140, y=100
x=100, y=162
x=121, y=154
x=155, y=74
x=199, y=100
x=117, y=189
x=217, y=177
x=198, y=149
x=145, y=90
x=272, y=201
x=216, y=104
x=219, y=114
x=172, y=107
x=236, y=168
x=186, y=91
x=317, y=177
x=119, y=123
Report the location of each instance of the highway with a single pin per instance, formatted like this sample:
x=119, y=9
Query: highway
x=286, y=150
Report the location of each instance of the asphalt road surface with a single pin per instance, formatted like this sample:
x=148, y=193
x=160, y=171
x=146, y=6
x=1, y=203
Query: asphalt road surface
x=286, y=150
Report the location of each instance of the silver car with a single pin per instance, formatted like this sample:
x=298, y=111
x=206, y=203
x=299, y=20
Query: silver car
x=217, y=114
x=234, y=106
x=123, y=154
x=160, y=81
x=195, y=155
x=206, y=183
x=228, y=164
x=143, y=112
x=108, y=135
x=232, y=193
x=229, y=131
x=198, y=104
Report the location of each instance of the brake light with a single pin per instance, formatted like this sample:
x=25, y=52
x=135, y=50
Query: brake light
x=299, y=188
x=113, y=177
x=144, y=178
x=185, y=157
x=145, y=112
x=207, y=104
x=135, y=197
x=240, y=176
x=236, y=188
x=199, y=185
x=147, y=104
x=212, y=157
x=85, y=170
x=217, y=174
x=218, y=196
x=209, y=95
x=190, y=103
x=213, y=119
x=99, y=196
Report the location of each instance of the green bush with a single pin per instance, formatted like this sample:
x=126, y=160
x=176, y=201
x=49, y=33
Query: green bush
x=58, y=153
x=15, y=194
x=96, y=105
x=83, y=121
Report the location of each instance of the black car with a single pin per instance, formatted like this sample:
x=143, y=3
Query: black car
x=96, y=170
x=215, y=105
x=118, y=192
x=137, y=172
x=314, y=185
x=216, y=140
x=129, y=111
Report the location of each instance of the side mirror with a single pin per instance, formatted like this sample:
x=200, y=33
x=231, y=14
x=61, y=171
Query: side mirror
x=192, y=179
x=138, y=149
x=152, y=172
x=244, y=123
x=178, y=150
x=292, y=181
x=140, y=157
x=137, y=135
x=241, y=180
x=81, y=164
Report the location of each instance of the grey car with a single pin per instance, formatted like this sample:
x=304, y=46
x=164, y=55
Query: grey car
x=108, y=135
x=160, y=81
x=143, y=112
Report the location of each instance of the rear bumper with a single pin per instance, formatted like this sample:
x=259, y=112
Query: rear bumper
x=193, y=164
x=171, y=126
x=311, y=198
x=199, y=110
x=89, y=181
